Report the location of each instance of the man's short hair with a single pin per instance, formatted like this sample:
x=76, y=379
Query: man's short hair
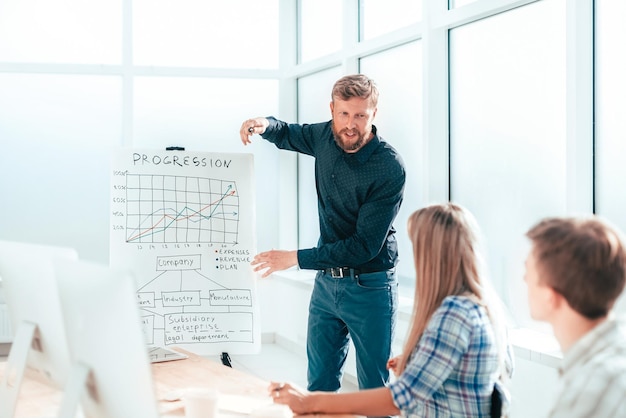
x=356, y=85
x=583, y=259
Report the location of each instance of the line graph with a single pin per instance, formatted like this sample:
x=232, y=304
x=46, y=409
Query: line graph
x=181, y=209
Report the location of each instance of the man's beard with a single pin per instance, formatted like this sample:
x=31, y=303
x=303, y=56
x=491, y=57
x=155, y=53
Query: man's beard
x=360, y=139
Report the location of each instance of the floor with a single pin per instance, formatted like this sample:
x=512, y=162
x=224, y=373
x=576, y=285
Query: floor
x=275, y=363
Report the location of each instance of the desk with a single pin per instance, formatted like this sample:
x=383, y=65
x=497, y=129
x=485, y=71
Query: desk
x=197, y=371
x=38, y=399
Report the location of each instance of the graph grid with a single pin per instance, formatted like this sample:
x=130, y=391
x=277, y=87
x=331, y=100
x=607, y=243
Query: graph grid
x=181, y=209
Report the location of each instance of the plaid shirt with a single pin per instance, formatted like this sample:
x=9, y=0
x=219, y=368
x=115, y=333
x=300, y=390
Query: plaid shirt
x=593, y=375
x=454, y=367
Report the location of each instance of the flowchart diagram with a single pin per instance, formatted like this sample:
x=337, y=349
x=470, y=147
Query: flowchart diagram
x=181, y=305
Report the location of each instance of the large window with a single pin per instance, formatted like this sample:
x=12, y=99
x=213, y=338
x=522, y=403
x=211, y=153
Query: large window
x=79, y=79
x=507, y=132
x=610, y=102
x=490, y=86
x=399, y=120
x=61, y=31
x=399, y=116
x=200, y=33
x=57, y=132
x=513, y=119
x=198, y=112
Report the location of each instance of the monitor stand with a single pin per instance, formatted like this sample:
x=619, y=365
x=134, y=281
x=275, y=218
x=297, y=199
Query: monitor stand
x=80, y=382
x=26, y=336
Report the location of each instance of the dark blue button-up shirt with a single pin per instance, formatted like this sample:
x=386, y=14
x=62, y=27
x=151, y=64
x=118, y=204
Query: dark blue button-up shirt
x=359, y=196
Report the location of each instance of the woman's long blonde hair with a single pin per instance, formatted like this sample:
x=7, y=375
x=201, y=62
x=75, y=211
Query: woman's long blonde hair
x=447, y=262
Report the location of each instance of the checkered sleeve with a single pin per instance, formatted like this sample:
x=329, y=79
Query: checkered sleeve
x=442, y=345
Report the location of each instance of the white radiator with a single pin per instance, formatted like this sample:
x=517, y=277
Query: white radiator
x=6, y=334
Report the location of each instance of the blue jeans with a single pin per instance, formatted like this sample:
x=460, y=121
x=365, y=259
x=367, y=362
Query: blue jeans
x=362, y=308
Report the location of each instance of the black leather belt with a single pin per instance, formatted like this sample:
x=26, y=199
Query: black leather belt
x=341, y=272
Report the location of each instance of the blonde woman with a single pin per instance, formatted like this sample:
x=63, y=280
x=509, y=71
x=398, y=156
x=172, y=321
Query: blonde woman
x=456, y=355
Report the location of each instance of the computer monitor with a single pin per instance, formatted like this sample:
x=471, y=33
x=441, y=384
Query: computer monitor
x=111, y=373
x=34, y=309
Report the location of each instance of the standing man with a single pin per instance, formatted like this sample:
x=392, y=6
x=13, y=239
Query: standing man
x=359, y=180
x=575, y=271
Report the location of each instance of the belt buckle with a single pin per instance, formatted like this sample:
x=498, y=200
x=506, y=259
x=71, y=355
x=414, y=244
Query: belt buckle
x=336, y=272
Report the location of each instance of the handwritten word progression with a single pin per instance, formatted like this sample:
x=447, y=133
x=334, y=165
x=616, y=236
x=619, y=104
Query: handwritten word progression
x=208, y=327
x=177, y=160
x=178, y=262
x=181, y=298
x=230, y=297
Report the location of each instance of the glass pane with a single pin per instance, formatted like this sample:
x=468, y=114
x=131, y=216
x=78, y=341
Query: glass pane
x=57, y=132
x=205, y=114
x=314, y=93
x=321, y=28
x=200, y=33
x=61, y=31
x=507, y=128
x=399, y=122
x=65, y=111
x=610, y=102
x=384, y=16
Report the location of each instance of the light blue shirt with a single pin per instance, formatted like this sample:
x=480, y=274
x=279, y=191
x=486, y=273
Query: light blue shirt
x=593, y=375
